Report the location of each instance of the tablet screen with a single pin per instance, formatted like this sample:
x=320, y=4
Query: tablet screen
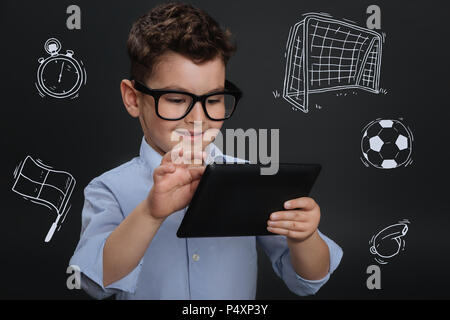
x=236, y=200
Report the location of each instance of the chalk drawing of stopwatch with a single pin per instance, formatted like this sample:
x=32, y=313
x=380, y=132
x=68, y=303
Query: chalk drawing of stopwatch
x=59, y=75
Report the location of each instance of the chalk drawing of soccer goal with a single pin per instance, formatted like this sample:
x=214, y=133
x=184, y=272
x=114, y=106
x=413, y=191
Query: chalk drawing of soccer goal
x=43, y=185
x=325, y=54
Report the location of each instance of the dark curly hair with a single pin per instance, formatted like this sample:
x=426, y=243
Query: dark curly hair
x=178, y=27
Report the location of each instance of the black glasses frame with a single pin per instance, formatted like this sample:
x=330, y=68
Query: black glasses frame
x=230, y=88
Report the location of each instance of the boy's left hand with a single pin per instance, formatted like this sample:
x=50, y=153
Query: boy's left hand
x=298, y=222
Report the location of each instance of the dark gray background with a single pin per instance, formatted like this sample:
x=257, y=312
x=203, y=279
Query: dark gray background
x=93, y=133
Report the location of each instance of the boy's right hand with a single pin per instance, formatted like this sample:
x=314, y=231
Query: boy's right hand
x=174, y=183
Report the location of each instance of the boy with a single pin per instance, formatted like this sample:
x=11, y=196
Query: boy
x=128, y=244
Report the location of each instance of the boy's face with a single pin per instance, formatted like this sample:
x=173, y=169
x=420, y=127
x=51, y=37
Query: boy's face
x=177, y=72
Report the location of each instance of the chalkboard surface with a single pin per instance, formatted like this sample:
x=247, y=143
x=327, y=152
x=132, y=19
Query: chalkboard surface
x=360, y=87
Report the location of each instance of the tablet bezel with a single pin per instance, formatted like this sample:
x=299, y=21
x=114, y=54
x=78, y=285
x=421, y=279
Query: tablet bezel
x=213, y=172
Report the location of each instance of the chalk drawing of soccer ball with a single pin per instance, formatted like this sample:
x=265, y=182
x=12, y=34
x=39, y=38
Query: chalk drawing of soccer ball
x=386, y=144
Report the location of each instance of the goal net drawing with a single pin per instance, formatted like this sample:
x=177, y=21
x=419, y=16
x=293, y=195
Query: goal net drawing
x=325, y=54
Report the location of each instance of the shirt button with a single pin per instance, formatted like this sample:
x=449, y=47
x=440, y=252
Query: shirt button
x=195, y=257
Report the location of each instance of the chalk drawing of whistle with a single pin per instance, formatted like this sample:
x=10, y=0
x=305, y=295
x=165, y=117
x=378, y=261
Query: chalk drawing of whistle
x=388, y=242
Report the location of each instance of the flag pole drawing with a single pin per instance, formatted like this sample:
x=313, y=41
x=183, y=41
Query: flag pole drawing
x=43, y=185
x=326, y=54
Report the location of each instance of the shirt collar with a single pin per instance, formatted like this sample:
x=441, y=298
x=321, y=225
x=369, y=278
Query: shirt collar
x=152, y=158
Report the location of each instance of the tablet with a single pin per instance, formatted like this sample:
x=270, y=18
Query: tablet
x=236, y=200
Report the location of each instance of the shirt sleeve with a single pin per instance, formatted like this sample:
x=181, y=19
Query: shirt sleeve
x=278, y=252
x=100, y=216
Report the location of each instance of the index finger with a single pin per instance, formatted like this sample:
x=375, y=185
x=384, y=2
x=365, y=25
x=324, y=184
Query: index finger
x=304, y=203
x=174, y=152
x=184, y=157
x=291, y=215
x=196, y=172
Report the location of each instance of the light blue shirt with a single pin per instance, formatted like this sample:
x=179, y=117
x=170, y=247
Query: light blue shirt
x=172, y=267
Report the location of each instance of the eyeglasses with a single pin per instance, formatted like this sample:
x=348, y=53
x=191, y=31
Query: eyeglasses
x=175, y=105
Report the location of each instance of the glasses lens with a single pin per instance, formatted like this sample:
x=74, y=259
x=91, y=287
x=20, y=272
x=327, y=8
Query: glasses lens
x=220, y=106
x=173, y=105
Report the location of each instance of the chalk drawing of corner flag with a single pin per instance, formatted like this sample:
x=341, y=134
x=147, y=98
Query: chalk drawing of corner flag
x=43, y=185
